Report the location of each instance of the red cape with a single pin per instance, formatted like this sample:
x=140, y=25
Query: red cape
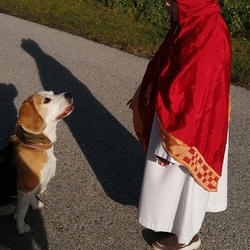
x=187, y=83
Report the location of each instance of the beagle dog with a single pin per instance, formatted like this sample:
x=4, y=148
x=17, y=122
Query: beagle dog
x=27, y=163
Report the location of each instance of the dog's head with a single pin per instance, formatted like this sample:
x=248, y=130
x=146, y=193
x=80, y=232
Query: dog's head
x=44, y=109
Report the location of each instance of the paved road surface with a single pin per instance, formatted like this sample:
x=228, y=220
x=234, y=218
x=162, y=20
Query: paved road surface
x=91, y=203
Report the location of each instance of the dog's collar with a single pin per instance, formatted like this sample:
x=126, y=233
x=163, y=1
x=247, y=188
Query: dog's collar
x=40, y=147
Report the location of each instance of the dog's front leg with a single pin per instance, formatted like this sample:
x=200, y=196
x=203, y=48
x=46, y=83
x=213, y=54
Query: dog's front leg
x=23, y=203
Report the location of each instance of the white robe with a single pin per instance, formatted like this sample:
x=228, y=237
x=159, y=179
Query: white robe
x=171, y=200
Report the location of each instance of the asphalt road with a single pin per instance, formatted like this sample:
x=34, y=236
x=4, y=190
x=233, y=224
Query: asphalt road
x=91, y=203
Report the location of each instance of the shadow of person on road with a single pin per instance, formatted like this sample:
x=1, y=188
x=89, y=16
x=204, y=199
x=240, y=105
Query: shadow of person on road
x=8, y=234
x=112, y=152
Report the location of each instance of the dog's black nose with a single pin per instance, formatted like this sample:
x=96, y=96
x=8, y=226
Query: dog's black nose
x=68, y=95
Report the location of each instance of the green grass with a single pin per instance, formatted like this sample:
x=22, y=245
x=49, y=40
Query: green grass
x=113, y=27
x=89, y=19
x=241, y=63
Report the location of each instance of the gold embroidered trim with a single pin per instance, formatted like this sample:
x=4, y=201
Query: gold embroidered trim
x=190, y=158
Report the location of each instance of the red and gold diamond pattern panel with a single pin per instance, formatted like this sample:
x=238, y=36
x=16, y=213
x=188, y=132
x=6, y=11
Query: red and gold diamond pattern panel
x=200, y=170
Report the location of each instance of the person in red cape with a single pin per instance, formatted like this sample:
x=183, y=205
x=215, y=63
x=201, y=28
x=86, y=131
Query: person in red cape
x=180, y=116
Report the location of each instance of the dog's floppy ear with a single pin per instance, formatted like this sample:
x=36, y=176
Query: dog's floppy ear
x=29, y=118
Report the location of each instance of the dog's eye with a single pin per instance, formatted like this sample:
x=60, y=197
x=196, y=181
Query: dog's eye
x=46, y=100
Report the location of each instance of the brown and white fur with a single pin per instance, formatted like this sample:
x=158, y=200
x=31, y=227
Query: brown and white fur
x=27, y=163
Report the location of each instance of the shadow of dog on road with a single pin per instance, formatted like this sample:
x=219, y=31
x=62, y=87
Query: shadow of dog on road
x=112, y=152
x=9, y=236
x=8, y=112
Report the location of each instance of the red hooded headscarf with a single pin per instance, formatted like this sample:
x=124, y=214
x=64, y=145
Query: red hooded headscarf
x=187, y=83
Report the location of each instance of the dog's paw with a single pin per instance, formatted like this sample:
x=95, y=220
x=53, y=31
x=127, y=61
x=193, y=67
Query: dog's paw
x=37, y=204
x=8, y=209
x=24, y=229
x=40, y=204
